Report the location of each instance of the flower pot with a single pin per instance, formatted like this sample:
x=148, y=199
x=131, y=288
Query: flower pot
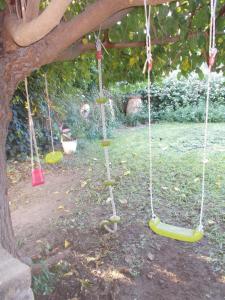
x=69, y=146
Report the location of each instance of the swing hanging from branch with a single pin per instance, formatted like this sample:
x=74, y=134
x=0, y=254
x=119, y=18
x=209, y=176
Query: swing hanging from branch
x=163, y=229
x=52, y=157
x=105, y=143
x=37, y=172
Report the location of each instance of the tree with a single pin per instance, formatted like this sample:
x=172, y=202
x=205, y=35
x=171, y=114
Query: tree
x=34, y=33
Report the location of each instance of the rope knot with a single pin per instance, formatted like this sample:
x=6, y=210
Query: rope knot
x=99, y=49
x=150, y=64
x=212, y=56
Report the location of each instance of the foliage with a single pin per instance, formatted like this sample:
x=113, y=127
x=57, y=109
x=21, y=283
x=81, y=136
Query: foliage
x=179, y=18
x=66, y=98
x=180, y=100
x=44, y=283
x=18, y=134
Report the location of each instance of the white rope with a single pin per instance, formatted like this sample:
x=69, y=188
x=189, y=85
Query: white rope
x=147, y=66
x=33, y=142
x=49, y=112
x=104, y=131
x=212, y=54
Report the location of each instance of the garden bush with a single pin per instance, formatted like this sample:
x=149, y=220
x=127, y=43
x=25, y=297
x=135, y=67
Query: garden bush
x=65, y=107
x=180, y=100
x=173, y=100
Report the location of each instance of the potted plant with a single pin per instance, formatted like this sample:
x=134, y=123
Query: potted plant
x=69, y=143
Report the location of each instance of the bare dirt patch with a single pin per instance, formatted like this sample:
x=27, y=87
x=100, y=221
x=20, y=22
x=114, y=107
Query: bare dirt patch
x=134, y=264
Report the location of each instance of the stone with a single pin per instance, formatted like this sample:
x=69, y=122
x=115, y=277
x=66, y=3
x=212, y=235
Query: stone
x=134, y=105
x=85, y=110
x=151, y=256
x=150, y=275
x=15, y=278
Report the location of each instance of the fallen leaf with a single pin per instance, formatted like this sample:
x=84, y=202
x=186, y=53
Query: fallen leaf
x=83, y=184
x=150, y=275
x=108, y=200
x=68, y=274
x=61, y=207
x=39, y=241
x=126, y=173
x=211, y=222
x=165, y=188
x=123, y=201
x=67, y=244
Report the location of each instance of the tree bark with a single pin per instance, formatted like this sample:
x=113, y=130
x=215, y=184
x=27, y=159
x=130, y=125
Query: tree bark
x=13, y=68
x=7, y=239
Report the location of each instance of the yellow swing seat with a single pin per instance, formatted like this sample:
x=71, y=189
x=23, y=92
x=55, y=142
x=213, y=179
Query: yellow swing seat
x=53, y=157
x=175, y=232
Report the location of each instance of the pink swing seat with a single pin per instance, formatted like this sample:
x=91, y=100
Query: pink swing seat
x=37, y=177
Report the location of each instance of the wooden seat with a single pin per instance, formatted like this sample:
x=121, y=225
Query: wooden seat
x=175, y=232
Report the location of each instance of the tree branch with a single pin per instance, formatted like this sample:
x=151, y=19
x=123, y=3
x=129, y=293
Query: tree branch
x=79, y=48
x=95, y=14
x=27, y=33
x=222, y=11
x=115, y=18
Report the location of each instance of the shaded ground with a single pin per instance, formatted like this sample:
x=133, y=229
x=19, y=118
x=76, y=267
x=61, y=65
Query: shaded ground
x=135, y=263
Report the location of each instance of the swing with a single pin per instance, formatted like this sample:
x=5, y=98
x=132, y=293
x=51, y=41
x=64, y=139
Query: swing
x=36, y=172
x=105, y=143
x=52, y=157
x=155, y=224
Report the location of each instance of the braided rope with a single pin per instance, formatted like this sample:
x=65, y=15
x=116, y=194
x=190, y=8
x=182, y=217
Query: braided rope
x=104, y=132
x=33, y=142
x=212, y=55
x=148, y=66
x=49, y=112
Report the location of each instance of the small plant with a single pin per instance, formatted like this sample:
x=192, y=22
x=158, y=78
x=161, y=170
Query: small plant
x=44, y=284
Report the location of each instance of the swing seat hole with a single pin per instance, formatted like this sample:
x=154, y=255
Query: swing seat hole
x=37, y=177
x=53, y=157
x=105, y=143
x=175, y=232
x=102, y=100
x=109, y=183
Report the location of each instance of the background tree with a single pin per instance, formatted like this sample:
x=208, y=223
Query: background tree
x=34, y=33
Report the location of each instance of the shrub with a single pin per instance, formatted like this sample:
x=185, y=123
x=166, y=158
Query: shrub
x=180, y=100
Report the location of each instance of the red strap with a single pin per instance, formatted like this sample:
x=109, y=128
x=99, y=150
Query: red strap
x=99, y=55
x=150, y=65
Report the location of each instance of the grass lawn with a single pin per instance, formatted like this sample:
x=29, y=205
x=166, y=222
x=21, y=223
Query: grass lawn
x=177, y=169
x=65, y=214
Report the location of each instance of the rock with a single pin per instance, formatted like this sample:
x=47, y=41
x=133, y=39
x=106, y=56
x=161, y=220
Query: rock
x=150, y=275
x=161, y=282
x=27, y=260
x=151, y=256
x=124, y=202
x=85, y=110
x=15, y=278
x=129, y=259
x=134, y=105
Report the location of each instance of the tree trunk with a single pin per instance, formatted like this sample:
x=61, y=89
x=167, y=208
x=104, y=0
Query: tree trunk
x=7, y=239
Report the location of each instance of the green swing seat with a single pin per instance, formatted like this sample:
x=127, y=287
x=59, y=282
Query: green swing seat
x=175, y=232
